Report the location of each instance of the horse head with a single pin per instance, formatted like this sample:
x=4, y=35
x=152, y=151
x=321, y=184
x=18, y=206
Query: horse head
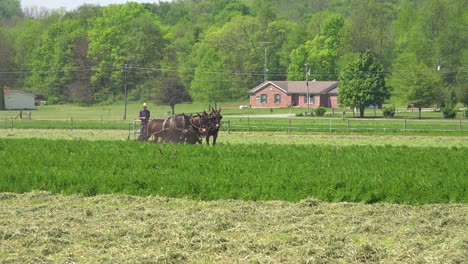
x=203, y=123
x=216, y=117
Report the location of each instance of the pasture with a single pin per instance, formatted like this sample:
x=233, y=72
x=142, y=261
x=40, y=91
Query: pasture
x=105, y=117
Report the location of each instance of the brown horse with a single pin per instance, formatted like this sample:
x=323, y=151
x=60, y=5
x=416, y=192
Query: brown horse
x=198, y=129
x=214, y=125
x=170, y=130
x=154, y=129
x=177, y=127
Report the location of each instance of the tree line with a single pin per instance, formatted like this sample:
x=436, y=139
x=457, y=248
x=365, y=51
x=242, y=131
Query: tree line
x=381, y=51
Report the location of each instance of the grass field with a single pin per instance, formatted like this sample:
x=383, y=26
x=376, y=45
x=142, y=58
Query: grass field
x=235, y=119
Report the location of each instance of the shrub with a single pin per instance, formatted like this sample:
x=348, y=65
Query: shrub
x=320, y=111
x=389, y=111
x=449, y=112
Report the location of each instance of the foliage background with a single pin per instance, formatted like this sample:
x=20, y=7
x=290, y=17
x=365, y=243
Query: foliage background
x=217, y=48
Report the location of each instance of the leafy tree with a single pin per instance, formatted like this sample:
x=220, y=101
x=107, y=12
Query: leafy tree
x=124, y=34
x=369, y=27
x=229, y=9
x=229, y=61
x=10, y=8
x=282, y=37
x=321, y=54
x=172, y=92
x=362, y=84
x=462, y=89
x=52, y=61
x=7, y=76
x=208, y=80
x=414, y=82
x=296, y=70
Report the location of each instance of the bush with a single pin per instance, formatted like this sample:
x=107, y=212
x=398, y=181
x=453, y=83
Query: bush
x=320, y=111
x=389, y=111
x=449, y=112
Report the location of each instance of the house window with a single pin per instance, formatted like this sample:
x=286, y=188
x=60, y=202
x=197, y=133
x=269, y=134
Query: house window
x=311, y=99
x=277, y=98
x=263, y=98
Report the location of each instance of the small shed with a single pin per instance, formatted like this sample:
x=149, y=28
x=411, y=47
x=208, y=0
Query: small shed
x=18, y=100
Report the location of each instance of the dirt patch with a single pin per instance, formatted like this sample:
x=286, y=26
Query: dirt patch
x=40, y=227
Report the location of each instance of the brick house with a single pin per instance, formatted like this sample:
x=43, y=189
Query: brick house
x=276, y=94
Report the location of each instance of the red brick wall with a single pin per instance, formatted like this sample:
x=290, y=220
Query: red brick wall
x=270, y=92
x=334, y=101
x=304, y=104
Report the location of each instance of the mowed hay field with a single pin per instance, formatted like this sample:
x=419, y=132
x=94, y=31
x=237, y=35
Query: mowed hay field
x=38, y=226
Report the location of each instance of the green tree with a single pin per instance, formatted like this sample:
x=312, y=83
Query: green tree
x=10, y=8
x=362, y=84
x=229, y=61
x=52, y=61
x=369, y=27
x=461, y=89
x=7, y=66
x=413, y=82
x=124, y=34
x=296, y=70
x=208, y=83
x=172, y=92
x=321, y=54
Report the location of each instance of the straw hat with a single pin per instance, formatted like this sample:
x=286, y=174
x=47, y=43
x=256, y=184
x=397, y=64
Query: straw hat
x=144, y=105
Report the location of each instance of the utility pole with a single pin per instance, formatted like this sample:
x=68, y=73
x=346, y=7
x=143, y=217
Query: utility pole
x=265, y=69
x=125, y=69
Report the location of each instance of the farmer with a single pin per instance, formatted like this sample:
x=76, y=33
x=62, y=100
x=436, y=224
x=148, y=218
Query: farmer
x=144, y=119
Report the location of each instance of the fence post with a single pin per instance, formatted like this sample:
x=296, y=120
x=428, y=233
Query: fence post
x=347, y=126
x=248, y=123
x=405, y=126
x=460, y=126
x=289, y=125
x=11, y=123
x=71, y=123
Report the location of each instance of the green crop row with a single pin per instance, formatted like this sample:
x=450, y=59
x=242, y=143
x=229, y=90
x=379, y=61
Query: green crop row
x=396, y=174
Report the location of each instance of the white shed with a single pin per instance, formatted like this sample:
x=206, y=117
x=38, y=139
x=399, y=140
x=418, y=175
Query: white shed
x=16, y=100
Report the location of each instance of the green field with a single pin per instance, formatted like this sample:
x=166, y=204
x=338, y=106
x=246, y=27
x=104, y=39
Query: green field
x=289, y=172
x=251, y=120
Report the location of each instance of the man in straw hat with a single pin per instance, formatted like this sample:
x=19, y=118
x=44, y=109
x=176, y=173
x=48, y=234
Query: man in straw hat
x=144, y=119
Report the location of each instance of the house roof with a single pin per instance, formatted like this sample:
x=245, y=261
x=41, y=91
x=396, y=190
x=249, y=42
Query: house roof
x=8, y=92
x=299, y=87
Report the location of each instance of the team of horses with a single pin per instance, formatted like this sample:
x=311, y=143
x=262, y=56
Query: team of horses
x=182, y=128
